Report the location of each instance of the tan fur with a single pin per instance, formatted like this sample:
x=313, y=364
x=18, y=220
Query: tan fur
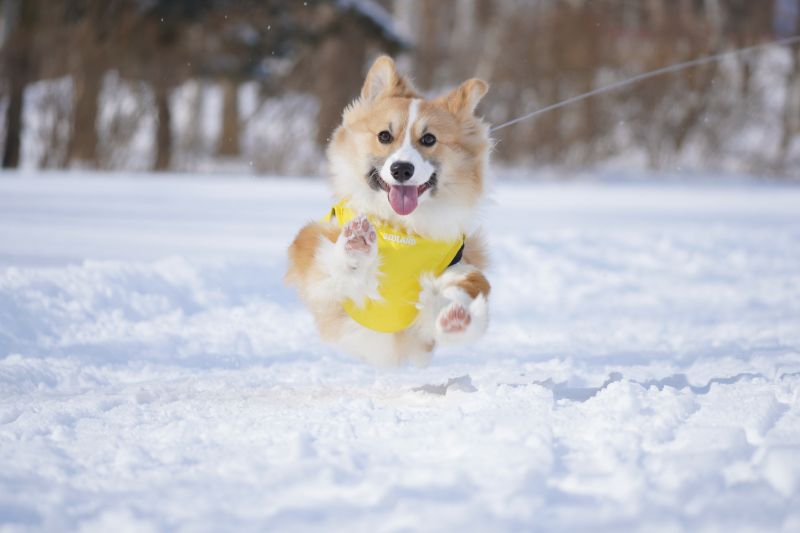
x=464, y=99
x=462, y=145
x=460, y=157
x=474, y=283
x=329, y=316
x=475, y=251
x=384, y=80
x=304, y=247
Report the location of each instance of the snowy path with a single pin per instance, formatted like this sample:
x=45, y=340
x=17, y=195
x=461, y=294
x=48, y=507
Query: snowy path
x=642, y=369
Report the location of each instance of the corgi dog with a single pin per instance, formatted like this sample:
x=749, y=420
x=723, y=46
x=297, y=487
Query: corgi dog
x=395, y=268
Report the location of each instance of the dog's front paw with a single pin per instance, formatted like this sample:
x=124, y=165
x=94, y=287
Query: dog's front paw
x=454, y=318
x=359, y=236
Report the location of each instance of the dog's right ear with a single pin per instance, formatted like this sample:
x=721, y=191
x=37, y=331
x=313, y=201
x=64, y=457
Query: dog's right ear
x=465, y=98
x=383, y=80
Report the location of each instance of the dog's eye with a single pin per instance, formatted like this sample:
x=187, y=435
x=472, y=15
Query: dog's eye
x=428, y=139
x=385, y=137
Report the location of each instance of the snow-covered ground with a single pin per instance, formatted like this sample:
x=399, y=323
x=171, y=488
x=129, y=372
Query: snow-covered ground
x=642, y=368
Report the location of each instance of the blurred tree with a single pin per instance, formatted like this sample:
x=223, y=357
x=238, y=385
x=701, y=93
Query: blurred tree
x=790, y=125
x=229, y=136
x=19, y=19
x=317, y=46
x=534, y=52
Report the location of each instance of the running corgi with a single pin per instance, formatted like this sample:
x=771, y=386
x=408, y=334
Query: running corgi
x=395, y=267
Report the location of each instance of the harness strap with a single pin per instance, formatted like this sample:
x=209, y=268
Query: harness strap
x=457, y=258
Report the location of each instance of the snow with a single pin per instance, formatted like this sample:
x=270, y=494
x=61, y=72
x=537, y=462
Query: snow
x=381, y=18
x=641, y=371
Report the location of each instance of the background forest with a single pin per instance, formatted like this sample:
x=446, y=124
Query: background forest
x=258, y=86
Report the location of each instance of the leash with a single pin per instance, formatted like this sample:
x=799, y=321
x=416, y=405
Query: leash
x=647, y=75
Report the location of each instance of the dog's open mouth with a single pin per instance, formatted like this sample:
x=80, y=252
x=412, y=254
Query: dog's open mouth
x=403, y=198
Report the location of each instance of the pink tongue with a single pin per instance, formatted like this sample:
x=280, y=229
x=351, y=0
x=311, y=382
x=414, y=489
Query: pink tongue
x=403, y=198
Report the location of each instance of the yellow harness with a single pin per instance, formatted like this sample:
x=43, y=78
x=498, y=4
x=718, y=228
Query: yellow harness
x=404, y=257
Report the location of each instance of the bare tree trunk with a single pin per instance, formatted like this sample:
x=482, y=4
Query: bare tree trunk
x=83, y=139
x=86, y=60
x=229, y=136
x=163, y=129
x=655, y=10
x=790, y=124
x=13, y=123
x=337, y=79
x=20, y=23
x=427, y=52
x=715, y=18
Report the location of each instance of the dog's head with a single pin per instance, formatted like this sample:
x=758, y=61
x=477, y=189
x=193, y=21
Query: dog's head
x=415, y=162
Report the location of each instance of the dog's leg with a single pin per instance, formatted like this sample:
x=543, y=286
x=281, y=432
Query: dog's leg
x=330, y=266
x=454, y=307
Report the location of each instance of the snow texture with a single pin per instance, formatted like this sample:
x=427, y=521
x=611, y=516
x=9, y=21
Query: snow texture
x=641, y=370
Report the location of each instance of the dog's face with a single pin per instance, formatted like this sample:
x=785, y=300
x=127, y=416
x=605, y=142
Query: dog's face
x=416, y=162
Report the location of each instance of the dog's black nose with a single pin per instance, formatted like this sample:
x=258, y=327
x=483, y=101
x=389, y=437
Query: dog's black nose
x=402, y=170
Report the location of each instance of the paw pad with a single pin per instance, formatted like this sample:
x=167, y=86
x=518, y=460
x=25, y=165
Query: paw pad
x=359, y=235
x=454, y=319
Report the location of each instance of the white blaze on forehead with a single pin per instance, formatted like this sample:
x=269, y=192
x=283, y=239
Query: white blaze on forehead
x=413, y=109
x=407, y=153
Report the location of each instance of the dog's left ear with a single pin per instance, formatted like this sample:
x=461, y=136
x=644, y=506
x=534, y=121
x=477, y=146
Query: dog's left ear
x=384, y=80
x=464, y=99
